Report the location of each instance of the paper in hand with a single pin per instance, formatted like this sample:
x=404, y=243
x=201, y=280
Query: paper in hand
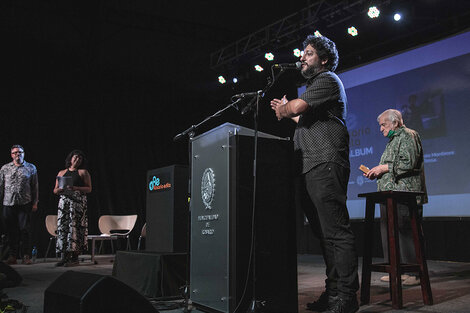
x=364, y=168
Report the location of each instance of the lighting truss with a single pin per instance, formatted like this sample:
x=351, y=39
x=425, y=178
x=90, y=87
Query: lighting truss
x=286, y=31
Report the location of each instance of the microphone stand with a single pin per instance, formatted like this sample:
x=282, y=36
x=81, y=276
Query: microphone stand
x=252, y=104
x=256, y=305
x=191, y=132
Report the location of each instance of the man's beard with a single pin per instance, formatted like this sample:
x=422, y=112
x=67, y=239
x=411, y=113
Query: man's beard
x=311, y=71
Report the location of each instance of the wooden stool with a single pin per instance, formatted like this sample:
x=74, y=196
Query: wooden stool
x=394, y=267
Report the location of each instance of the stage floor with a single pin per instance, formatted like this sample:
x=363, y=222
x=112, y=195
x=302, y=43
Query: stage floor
x=450, y=282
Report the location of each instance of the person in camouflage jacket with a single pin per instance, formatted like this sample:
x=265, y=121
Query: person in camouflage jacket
x=401, y=168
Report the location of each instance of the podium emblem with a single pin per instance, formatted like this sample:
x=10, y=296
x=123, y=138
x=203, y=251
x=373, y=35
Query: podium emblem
x=208, y=187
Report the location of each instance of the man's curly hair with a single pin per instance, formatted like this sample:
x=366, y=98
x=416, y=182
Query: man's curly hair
x=326, y=50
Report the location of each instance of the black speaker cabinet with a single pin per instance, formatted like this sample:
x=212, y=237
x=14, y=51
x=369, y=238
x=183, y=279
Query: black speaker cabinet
x=167, y=209
x=77, y=292
x=221, y=222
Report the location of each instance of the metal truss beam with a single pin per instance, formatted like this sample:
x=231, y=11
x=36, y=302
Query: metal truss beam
x=286, y=31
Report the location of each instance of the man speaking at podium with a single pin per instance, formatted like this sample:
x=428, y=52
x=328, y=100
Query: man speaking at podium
x=321, y=144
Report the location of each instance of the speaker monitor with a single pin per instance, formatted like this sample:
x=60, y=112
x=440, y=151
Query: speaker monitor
x=77, y=292
x=167, y=209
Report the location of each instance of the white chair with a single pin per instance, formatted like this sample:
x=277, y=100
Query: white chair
x=51, y=226
x=143, y=234
x=113, y=227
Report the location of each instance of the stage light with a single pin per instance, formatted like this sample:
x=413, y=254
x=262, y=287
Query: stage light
x=317, y=33
x=258, y=68
x=397, y=17
x=373, y=12
x=235, y=80
x=269, y=56
x=297, y=52
x=222, y=79
x=352, y=31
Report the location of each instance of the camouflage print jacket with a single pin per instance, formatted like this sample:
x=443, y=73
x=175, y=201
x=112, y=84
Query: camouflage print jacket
x=404, y=157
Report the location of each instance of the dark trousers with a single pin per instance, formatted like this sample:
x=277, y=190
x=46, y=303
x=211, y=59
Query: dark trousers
x=321, y=193
x=405, y=234
x=17, y=220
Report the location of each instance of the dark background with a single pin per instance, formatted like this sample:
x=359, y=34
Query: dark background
x=119, y=79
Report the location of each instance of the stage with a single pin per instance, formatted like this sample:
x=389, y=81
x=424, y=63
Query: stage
x=450, y=283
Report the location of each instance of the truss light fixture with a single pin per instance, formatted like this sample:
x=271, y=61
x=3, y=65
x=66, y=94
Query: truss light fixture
x=373, y=12
x=352, y=31
x=297, y=52
x=235, y=80
x=258, y=68
x=222, y=79
x=397, y=17
x=317, y=34
x=269, y=56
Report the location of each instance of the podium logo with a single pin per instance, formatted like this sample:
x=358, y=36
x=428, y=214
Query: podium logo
x=208, y=187
x=156, y=184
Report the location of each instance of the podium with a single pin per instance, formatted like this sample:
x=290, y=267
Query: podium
x=221, y=222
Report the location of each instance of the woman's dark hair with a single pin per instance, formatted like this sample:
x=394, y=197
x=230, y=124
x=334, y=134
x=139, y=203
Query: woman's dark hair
x=68, y=159
x=326, y=50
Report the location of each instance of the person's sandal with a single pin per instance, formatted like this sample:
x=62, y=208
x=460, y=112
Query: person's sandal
x=27, y=260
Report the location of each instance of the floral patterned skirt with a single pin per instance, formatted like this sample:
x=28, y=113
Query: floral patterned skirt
x=72, y=223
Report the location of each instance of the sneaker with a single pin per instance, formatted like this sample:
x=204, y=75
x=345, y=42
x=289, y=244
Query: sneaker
x=343, y=306
x=27, y=260
x=11, y=260
x=386, y=278
x=322, y=303
x=412, y=281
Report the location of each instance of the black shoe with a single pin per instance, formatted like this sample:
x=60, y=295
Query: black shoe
x=71, y=263
x=322, y=304
x=344, y=306
x=61, y=263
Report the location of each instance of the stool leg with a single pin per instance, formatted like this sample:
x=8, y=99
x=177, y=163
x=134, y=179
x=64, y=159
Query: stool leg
x=128, y=247
x=93, y=251
x=394, y=254
x=368, y=244
x=418, y=239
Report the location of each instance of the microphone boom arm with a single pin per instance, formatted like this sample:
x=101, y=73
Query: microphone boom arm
x=190, y=130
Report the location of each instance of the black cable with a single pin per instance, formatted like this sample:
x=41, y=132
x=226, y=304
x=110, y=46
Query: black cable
x=253, y=233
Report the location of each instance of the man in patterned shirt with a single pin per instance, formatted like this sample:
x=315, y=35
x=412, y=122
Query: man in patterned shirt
x=19, y=196
x=401, y=167
x=321, y=144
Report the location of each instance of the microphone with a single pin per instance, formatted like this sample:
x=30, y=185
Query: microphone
x=245, y=94
x=289, y=66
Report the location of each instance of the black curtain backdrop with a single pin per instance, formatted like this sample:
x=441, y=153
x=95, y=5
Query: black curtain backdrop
x=92, y=78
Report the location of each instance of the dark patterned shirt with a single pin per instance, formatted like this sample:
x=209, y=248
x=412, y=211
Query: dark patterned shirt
x=18, y=184
x=404, y=157
x=321, y=134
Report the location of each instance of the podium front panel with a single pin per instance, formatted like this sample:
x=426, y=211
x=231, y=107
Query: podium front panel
x=209, y=220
